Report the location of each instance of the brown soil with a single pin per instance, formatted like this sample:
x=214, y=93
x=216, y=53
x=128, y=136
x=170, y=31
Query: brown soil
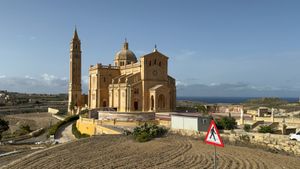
x=169, y=152
x=34, y=120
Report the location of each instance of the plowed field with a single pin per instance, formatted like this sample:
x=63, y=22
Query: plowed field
x=169, y=152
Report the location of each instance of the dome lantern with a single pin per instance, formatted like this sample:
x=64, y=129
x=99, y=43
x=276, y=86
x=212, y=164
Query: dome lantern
x=124, y=56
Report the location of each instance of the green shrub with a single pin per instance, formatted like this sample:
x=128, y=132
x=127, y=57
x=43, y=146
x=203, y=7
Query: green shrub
x=143, y=137
x=4, y=126
x=77, y=133
x=227, y=123
x=147, y=132
x=53, y=129
x=25, y=128
x=247, y=127
x=20, y=132
x=219, y=125
x=265, y=129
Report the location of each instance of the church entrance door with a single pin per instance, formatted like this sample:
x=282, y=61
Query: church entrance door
x=136, y=105
x=161, y=102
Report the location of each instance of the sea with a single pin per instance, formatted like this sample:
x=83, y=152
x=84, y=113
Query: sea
x=232, y=100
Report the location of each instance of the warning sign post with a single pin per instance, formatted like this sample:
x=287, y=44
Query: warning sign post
x=213, y=137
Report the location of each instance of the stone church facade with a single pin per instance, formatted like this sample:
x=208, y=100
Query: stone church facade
x=130, y=84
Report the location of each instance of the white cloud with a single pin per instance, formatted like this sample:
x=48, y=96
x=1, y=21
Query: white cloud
x=48, y=77
x=180, y=83
x=44, y=83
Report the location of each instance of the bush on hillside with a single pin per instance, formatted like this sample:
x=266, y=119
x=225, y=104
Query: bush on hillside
x=247, y=127
x=265, y=129
x=25, y=128
x=4, y=126
x=22, y=130
x=147, y=132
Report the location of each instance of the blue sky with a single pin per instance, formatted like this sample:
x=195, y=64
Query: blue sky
x=253, y=44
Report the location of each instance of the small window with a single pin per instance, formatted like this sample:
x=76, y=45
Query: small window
x=136, y=91
x=159, y=64
x=150, y=63
x=204, y=121
x=104, y=80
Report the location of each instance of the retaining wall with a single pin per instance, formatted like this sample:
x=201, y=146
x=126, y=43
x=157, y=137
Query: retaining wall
x=272, y=141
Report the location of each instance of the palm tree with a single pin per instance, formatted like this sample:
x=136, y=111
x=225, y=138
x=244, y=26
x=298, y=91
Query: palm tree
x=202, y=109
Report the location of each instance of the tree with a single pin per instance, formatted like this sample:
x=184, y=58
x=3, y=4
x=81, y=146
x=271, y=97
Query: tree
x=3, y=126
x=227, y=123
x=202, y=109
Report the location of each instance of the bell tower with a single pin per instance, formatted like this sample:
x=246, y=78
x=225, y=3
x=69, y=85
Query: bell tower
x=74, y=100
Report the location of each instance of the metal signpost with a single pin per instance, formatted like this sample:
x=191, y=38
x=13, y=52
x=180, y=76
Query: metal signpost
x=213, y=138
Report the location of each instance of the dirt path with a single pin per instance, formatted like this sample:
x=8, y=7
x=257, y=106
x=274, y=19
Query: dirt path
x=169, y=152
x=64, y=134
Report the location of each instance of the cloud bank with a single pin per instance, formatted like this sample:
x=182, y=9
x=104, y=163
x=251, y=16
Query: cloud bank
x=47, y=83
x=234, y=90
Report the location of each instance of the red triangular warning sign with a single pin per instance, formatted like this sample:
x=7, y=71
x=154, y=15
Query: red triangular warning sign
x=213, y=136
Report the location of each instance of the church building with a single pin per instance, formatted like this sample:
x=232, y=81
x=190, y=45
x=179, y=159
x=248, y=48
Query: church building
x=130, y=84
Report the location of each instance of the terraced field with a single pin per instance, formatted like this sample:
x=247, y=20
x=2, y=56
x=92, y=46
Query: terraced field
x=170, y=152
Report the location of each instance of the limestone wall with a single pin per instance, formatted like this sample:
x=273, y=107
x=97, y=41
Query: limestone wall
x=294, y=122
x=86, y=126
x=271, y=141
x=52, y=110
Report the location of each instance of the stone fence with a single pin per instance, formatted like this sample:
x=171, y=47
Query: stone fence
x=272, y=142
x=52, y=110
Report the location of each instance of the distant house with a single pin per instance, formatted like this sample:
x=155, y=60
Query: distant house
x=262, y=111
x=190, y=121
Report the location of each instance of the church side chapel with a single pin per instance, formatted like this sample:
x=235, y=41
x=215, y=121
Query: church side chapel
x=129, y=85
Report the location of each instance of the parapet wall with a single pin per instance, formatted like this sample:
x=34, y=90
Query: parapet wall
x=97, y=127
x=127, y=117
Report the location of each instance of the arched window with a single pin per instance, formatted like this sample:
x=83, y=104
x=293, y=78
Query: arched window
x=152, y=102
x=150, y=63
x=155, y=61
x=159, y=64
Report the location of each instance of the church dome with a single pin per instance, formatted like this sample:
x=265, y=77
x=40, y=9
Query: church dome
x=125, y=56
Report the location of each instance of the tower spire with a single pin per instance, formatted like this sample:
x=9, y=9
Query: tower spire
x=75, y=35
